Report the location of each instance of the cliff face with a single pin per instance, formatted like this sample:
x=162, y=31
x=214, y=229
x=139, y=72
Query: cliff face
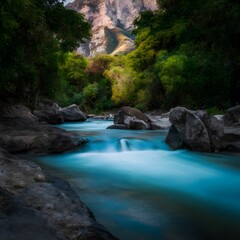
x=112, y=22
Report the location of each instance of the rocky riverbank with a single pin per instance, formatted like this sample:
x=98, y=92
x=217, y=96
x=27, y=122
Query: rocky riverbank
x=200, y=131
x=33, y=204
x=193, y=130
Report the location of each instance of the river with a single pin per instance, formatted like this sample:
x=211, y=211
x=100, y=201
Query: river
x=141, y=190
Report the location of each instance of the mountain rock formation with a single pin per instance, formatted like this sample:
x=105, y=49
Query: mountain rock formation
x=112, y=22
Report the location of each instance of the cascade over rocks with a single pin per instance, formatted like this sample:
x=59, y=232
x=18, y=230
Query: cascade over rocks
x=196, y=130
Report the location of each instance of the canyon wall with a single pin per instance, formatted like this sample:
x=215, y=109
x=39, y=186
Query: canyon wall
x=112, y=23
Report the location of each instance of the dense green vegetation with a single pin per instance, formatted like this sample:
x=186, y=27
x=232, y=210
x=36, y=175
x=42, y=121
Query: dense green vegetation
x=187, y=53
x=34, y=37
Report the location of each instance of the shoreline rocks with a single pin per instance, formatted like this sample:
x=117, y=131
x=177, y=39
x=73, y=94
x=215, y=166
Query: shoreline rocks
x=35, y=205
x=48, y=111
x=232, y=116
x=199, y=131
x=21, y=131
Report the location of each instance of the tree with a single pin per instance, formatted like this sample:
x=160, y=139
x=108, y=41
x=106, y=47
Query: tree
x=34, y=34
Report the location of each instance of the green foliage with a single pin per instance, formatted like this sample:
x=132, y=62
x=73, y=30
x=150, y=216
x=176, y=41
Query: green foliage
x=187, y=54
x=33, y=36
x=123, y=89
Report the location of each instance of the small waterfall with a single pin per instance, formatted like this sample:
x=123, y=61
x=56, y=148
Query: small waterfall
x=124, y=144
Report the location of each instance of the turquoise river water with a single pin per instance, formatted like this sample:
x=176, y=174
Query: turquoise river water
x=141, y=190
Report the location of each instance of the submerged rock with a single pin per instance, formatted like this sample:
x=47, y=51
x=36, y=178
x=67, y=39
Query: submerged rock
x=34, y=205
x=196, y=130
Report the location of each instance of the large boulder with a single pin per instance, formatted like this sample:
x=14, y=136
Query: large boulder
x=195, y=130
x=132, y=118
x=232, y=116
x=72, y=114
x=48, y=111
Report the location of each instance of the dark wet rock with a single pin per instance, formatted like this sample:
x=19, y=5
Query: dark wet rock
x=21, y=131
x=118, y=126
x=138, y=125
x=17, y=115
x=197, y=129
x=232, y=116
x=125, y=114
x=72, y=114
x=19, y=221
x=48, y=111
x=132, y=118
x=34, y=205
x=49, y=116
x=174, y=139
x=231, y=139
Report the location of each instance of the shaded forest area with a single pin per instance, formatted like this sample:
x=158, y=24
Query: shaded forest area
x=187, y=53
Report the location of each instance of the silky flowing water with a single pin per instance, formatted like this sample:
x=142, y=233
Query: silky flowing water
x=141, y=190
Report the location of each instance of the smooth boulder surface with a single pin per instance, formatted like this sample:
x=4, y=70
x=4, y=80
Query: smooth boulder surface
x=21, y=131
x=34, y=205
x=195, y=130
x=131, y=118
x=72, y=114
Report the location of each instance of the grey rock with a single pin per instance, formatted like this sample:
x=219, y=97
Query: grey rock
x=138, y=125
x=174, y=139
x=232, y=116
x=118, y=126
x=49, y=115
x=34, y=205
x=24, y=133
x=132, y=118
x=231, y=139
x=72, y=114
x=198, y=130
x=48, y=111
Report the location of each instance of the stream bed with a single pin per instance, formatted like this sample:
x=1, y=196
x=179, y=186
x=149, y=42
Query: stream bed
x=141, y=190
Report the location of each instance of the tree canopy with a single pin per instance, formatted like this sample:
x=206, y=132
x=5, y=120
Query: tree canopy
x=34, y=34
